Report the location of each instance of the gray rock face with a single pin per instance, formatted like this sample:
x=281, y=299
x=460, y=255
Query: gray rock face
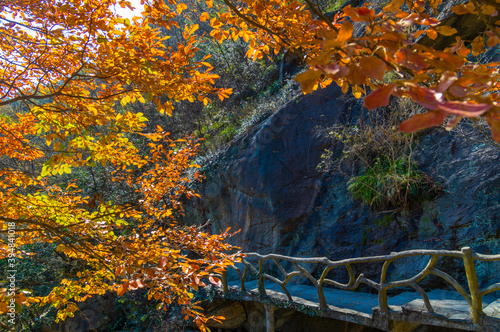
x=266, y=185
x=233, y=312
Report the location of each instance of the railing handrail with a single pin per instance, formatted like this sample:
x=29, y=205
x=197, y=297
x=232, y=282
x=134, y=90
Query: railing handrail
x=474, y=299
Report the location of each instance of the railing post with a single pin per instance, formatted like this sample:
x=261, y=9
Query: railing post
x=382, y=301
x=270, y=325
x=225, y=288
x=476, y=306
x=321, y=297
x=262, y=289
x=382, y=292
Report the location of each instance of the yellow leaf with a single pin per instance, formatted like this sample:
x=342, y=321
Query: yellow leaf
x=446, y=30
x=181, y=7
x=204, y=17
x=308, y=79
x=478, y=45
x=488, y=9
x=357, y=91
x=125, y=100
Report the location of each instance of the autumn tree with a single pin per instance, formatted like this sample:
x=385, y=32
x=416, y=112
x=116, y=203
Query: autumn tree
x=68, y=71
x=451, y=83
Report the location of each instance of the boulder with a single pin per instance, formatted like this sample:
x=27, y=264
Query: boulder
x=233, y=312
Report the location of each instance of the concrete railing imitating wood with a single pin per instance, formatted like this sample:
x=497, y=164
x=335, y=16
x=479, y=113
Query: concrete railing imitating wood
x=473, y=298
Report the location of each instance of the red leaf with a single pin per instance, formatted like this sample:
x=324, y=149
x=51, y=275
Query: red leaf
x=422, y=121
x=458, y=91
x=162, y=262
x=463, y=108
x=426, y=97
x=356, y=74
x=379, y=97
x=494, y=122
x=446, y=81
x=411, y=60
x=452, y=61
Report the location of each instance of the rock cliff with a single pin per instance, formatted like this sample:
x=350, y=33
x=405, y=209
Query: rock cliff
x=266, y=184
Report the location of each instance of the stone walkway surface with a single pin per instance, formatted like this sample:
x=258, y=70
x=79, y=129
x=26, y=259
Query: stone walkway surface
x=451, y=309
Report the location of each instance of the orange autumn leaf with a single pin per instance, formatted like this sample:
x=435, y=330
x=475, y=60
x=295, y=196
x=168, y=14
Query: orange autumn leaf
x=204, y=17
x=360, y=14
x=122, y=289
x=431, y=33
x=462, y=9
x=494, y=122
x=345, y=32
x=373, y=67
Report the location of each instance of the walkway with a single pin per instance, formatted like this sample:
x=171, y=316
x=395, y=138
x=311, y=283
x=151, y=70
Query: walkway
x=473, y=310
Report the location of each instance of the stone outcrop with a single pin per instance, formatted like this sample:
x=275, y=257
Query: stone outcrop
x=234, y=314
x=266, y=184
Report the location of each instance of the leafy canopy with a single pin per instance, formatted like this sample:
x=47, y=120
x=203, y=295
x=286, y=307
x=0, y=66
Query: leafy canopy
x=70, y=69
x=68, y=72
x=450, y=83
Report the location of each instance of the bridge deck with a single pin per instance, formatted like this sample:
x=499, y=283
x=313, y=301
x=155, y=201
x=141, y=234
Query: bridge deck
x=451, y=310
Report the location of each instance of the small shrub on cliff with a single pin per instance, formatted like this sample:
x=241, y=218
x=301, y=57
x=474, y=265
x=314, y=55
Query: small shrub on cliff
x=370, y=137
x=389, y=183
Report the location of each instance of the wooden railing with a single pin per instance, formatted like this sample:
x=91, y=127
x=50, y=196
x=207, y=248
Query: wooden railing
x=474, y=298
